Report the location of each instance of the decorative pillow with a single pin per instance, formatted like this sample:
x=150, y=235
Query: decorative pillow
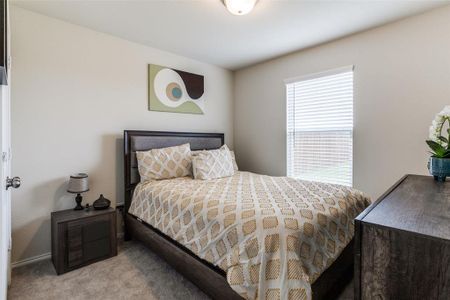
x=212, y=164
x=164, y=163
x=233, y=157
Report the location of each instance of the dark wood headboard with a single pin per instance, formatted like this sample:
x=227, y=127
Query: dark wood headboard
x=137, y=140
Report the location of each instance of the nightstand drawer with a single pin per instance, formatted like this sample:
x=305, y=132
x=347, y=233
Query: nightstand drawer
x=75, y=257
x=96, y=249
x=89, y=229
x=96, y=230
x=74, y=236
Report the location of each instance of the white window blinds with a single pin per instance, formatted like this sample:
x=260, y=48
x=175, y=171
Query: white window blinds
x=320, y=127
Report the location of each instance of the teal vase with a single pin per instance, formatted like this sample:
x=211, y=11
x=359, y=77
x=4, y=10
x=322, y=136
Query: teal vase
x=439, y=168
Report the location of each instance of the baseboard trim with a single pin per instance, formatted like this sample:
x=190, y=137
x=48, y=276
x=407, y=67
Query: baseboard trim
x=31, y=260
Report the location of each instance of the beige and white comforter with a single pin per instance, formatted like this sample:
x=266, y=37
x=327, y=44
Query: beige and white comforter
x=273, y=236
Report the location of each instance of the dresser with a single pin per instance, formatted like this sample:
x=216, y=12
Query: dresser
x=81, y=237
x=402, y=242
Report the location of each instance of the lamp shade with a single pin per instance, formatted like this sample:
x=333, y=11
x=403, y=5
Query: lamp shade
x=78, y=183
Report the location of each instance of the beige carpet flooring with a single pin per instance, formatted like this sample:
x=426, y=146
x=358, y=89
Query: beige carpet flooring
x=135, y=273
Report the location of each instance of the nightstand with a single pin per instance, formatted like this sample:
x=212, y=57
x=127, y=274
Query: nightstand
x=81, y=237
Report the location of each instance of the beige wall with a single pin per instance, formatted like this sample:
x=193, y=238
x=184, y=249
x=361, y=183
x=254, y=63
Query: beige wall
x=402, y=78
x=74, y=91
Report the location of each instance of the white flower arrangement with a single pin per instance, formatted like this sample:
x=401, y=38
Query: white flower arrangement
x=438, y=143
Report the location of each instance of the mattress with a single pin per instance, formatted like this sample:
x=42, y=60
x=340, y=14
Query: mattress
x=273, y=236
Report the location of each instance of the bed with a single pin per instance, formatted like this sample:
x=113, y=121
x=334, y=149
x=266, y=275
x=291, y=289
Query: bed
x=205, y=268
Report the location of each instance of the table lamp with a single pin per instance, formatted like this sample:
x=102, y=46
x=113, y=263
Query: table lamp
x=78, y=184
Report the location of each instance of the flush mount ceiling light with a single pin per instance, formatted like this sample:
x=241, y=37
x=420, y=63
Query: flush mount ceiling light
x=239, y=7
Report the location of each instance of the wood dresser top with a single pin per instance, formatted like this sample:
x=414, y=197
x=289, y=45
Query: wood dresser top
x=417, y=204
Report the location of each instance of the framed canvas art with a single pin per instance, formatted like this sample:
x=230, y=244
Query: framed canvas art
x=171, y=90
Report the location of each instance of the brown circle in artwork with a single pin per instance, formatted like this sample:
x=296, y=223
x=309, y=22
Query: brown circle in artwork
x=173, y=91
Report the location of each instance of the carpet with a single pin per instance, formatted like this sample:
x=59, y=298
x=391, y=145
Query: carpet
x=135, y=273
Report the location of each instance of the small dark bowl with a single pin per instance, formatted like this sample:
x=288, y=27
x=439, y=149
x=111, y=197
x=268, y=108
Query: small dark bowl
x=101, y=203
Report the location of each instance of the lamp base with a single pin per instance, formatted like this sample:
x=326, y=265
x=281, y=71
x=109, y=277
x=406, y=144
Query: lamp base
x=78, y=199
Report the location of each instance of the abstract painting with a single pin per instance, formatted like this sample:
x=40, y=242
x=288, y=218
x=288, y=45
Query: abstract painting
x=171, y=90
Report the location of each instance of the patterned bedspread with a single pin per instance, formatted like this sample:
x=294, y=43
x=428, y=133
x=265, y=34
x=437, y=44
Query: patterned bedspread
x=273, y=236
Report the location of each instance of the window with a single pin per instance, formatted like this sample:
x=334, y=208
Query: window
x=320, y=127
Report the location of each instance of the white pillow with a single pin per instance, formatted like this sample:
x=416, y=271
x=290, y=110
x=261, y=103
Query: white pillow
x=164, y=163
x=212, y=164
x=233, y=157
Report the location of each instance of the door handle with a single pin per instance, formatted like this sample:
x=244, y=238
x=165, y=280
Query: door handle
x=13, y=182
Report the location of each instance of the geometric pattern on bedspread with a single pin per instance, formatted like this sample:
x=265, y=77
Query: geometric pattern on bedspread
x=273, y=236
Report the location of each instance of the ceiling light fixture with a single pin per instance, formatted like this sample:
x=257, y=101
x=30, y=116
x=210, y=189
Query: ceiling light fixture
x=240, y=7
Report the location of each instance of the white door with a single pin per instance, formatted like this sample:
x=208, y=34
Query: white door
x=6, y=182
x=5, y=193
